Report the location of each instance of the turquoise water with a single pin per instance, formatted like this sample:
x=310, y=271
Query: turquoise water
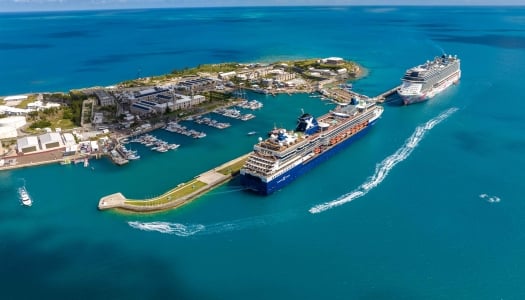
x=426, y=206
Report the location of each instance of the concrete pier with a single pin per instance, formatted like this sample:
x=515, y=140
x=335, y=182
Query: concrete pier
x=183, y=193
x=381, y=97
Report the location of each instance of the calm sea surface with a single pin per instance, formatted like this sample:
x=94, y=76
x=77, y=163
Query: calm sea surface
x=429, y=205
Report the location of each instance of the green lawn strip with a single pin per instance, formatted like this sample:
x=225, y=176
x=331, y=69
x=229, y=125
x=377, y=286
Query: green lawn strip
x=62, y=123
x=233, y=168
x=172, y=195
x=23, y=103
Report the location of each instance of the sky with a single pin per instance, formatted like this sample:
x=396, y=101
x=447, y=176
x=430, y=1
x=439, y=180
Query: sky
x=50, y=5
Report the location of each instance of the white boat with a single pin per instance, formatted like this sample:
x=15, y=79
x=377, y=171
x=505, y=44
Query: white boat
x=252, y=132
x=24, y=196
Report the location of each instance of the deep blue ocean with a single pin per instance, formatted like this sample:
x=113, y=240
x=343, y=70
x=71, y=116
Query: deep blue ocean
x=428, y=205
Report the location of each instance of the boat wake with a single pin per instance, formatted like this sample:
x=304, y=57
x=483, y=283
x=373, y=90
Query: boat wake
x=185, y=230
x=383, y=168
x=490, y=199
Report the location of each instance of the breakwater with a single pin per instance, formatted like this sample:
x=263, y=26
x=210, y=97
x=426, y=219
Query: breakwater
x=183, y=193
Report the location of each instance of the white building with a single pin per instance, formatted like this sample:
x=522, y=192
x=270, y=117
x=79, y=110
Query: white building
x=227, y=75
x=332, y=60
x=9, y=126
x=15, y=98
x=13, y=111
x=39, y=105
x=70, y=143
x=50, y=140
x=27, y=144
x=8, y=132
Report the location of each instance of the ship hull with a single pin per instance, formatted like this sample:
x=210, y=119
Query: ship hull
x=257, y=185
x=426, y=95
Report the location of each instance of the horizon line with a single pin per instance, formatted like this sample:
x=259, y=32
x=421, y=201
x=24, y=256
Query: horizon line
x=252, y=6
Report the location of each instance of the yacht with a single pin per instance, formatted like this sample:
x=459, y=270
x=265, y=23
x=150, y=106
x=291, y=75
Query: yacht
x=24, y=196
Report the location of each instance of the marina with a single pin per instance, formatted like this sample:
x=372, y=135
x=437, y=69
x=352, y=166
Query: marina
x=175, y=127
x=211, y=122
x=250, y=104
x=152, y=142
x=234, y=114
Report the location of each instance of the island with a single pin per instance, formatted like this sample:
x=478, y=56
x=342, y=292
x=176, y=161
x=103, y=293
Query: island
x=96, y=122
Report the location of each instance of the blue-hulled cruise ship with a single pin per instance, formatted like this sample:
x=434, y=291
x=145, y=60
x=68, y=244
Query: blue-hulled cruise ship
x=284, y=155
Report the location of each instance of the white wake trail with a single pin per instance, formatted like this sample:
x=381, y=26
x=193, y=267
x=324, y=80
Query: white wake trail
x=186, y=230
x=383, y=168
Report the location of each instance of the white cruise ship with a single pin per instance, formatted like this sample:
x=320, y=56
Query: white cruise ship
x=423, y=82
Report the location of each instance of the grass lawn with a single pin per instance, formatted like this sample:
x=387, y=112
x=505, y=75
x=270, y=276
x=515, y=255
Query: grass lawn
x=63, y=124
x=172, y=195
x=232, y=168
x=23, y=103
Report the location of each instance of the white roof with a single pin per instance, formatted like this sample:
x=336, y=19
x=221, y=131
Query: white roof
x=183, y=100
x=50, y=137
x=27, y=141
x=333, y=58
x=15, y=121
x=9, y=109
x=15, y=98
x=7, y=132
x=69, y=139
x=147, y=91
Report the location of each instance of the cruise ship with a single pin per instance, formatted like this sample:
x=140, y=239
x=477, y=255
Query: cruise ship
x=423, y=82
x=284, y=155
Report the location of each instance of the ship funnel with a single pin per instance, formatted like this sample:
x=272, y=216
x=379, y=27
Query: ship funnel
x=307, y=124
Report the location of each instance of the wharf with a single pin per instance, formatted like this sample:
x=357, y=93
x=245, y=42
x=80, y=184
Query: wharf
x=381, y=97
x=345, y=96
x=178, y=196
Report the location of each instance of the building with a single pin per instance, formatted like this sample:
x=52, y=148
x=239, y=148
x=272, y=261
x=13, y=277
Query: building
x=151, y=94
x=9, y=126
x=13, y=111
x=183, y=102
x=71, y=145
x=15, y=98
x=50, y=140
x=332, y=60
x=98, y=118
x=226, y=75
x=39, y=105
x=104, y=98
x=27, y=144
x=8, y=132
x=141, y=108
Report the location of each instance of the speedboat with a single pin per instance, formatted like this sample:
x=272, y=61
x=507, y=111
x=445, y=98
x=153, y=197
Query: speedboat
x=24, y=196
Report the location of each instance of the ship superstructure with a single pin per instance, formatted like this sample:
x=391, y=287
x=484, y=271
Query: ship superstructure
x=423, y=82
x=284, y=155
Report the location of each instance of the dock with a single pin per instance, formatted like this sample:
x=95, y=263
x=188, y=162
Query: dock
x=345, y=95
x=183, y=193
x=381, y=97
